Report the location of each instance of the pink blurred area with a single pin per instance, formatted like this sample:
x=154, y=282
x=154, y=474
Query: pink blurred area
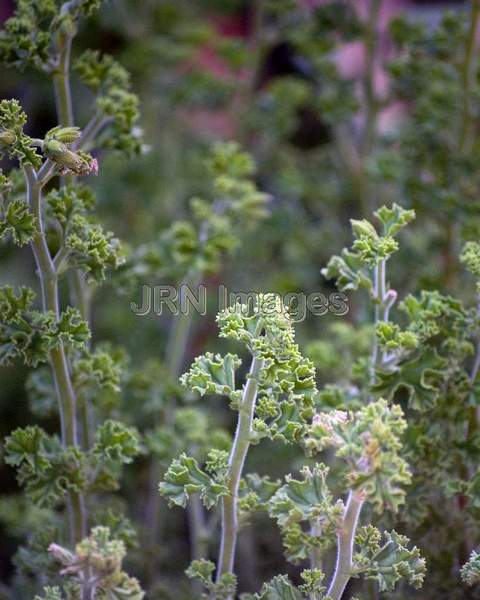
x=6, y=9
x=350, y=59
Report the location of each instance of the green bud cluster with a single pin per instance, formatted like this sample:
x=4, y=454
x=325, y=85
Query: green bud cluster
x=98, y=559
x=351, y=269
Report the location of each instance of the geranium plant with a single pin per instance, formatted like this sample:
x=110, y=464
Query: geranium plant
x=337, y=462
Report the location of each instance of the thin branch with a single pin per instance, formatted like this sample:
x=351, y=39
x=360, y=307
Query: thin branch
x=345, y=544
x=91, y=131
x=46, y=172
x=58, y=359
x=468, y=74
x=371, y=104
x=238, y=453
x=60, y=257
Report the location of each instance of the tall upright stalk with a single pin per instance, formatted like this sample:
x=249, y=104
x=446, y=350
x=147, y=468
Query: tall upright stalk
x=61, y=81
x=345, y=543
x=238, y=453
x=383, y=301
x=466, y=130
x=468, y=74
x=79, y=292
x=371, y=103
x=48, y=276
x=58, y=359
x=352, y=154
x=174, y=357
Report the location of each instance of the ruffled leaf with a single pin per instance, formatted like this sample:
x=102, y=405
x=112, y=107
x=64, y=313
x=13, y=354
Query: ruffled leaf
x=184, y=478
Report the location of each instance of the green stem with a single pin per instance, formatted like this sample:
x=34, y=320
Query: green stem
x=58, y=358
x=382, y=305
x=468, y=74
x=80, y=293
x=352, y=164
x=198, y=528
x=64, y=105
x=345, y=544
x=316, y=555
x=474, y=419
x=177, y=345
x=93, y=128
x=238, y=454
x=468, y=79
x=371, y=104
x=78, y=287
x=61, y=82
x=198, y=535
x=175, y=353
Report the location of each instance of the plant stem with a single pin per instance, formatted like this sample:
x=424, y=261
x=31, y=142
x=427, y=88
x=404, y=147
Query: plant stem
x=91, y=131
x=352, y=164
x=61, y=82
x=468, y=78
x=78, y=287
x=371, y=107
x=474, y=410
x=468, y=74
x=316, y=555
x=177, y=346
x=236, y=462
x=345, y=543
x=466, y=131
x=63, y=103
x=382, y=305
x=58, y=358
x=198, y=528
x=174, y=357
x=198, y=535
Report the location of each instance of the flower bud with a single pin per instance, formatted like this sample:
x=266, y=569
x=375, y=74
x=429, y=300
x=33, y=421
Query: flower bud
x=60, y=154
x=77, y=163
x=54, y=148
x=61, y=554
x=67, y=135
x=363, y=228
x=7, y=137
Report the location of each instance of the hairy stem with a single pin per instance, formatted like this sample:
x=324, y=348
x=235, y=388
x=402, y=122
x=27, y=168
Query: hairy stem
x=345, y=544
x=58, y=358
x=238, y=453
